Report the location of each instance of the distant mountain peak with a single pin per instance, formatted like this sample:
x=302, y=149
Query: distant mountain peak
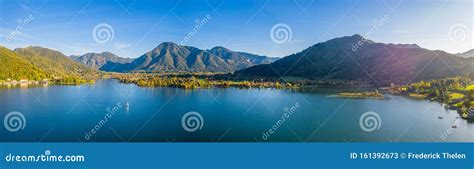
x=470, y=51
x=467, y=54
x=97, y=60
x=31, y=47
x=356, y=38
x=107, y=53
x=220, y=48
x=168, y=44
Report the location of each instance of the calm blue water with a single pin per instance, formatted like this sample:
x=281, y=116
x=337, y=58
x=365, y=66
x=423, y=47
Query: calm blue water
x=68, y=113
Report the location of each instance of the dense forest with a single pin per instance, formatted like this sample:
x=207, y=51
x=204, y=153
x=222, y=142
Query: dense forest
x=15, y=67
x=36, y=64
x=456, y=93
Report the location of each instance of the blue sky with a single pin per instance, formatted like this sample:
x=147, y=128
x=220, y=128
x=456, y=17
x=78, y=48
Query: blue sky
x=240, y=25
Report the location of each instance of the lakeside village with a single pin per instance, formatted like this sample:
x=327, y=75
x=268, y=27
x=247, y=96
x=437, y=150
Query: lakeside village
x=454, y=93
x=44, y=82
x=24, y=82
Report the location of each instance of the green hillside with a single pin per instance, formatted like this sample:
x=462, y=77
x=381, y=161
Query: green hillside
x=345, y=59
x=14, y=67
x=57, y=65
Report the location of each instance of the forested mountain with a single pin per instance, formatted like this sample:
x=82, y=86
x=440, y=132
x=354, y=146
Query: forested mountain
x=54, y=63
x=170, y=57
x=15, y=67
x=356, y=58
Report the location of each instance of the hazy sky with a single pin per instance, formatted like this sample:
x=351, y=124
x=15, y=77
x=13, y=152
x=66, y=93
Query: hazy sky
x=241, y=25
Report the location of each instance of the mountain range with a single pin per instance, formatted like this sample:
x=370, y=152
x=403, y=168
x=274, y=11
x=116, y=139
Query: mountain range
x=349, y=58
x=354, y=58
x=97, y=60
x=13, y=66
x=170, y=57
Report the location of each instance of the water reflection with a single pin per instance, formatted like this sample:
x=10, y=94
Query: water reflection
x=154, y=114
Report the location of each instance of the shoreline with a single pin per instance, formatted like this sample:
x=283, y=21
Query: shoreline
x=361, y=95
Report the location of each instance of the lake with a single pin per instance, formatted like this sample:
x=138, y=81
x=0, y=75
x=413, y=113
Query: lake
x=109, y=111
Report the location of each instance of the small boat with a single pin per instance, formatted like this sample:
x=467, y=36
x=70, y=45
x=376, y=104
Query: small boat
x=127, y=104
x=454, y=127
x=440, y=117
